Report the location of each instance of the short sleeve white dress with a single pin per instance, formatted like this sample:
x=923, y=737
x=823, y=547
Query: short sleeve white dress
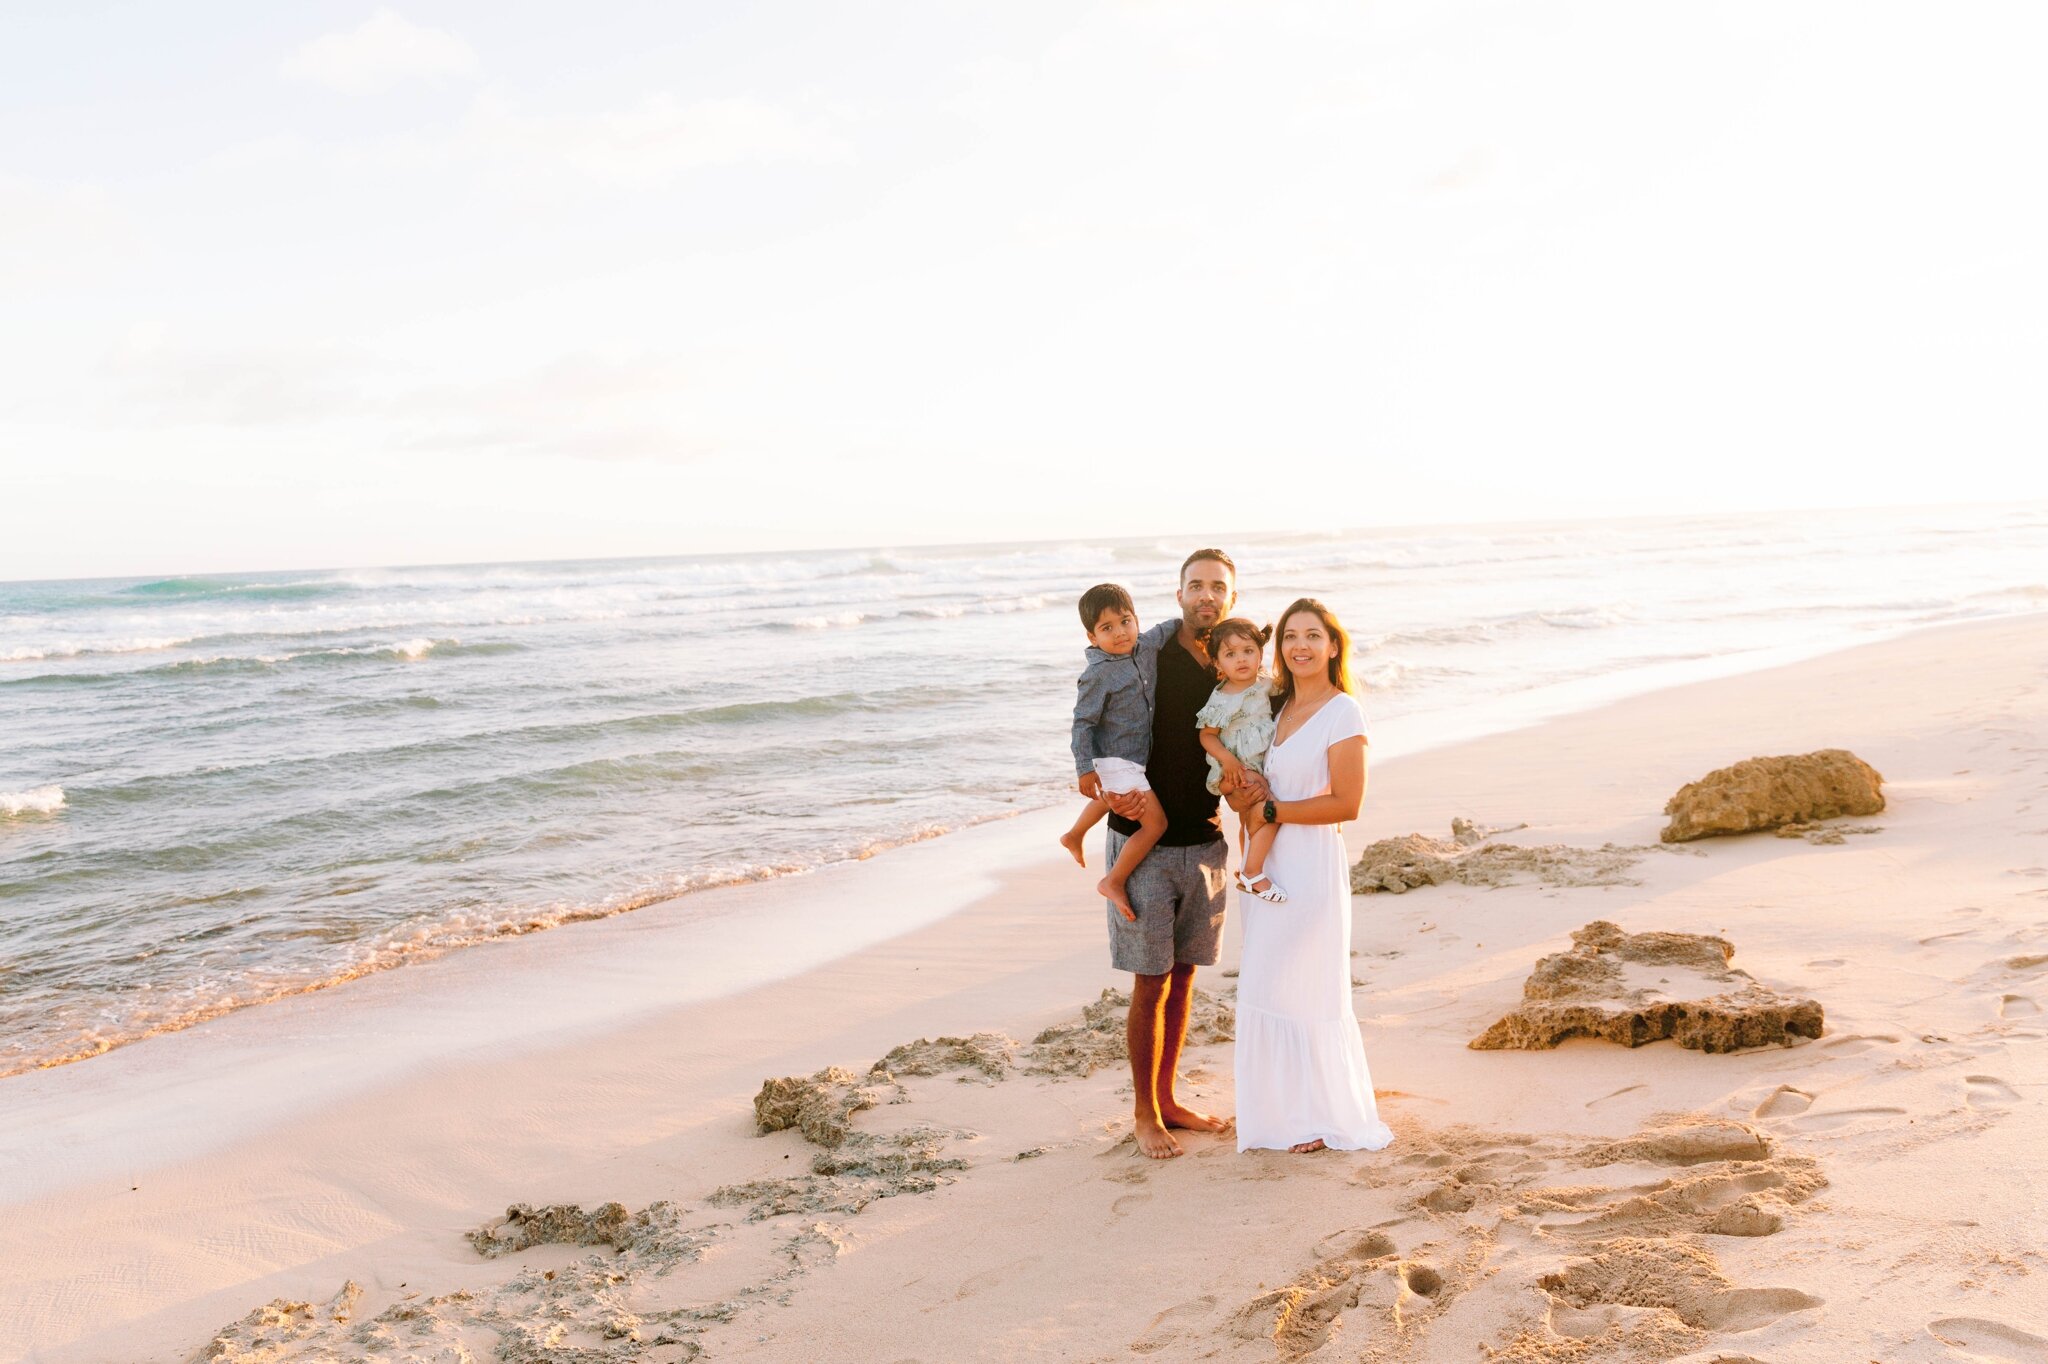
x=1301, y=1071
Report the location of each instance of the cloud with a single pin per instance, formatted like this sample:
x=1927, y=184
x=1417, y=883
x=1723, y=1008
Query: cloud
x=276, y=384
x=579, y=406
x=379, y=53
x=59, y=233
x=646, y=143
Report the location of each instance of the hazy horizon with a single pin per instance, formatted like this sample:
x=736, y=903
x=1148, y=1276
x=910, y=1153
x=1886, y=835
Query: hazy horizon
x=1213, y=535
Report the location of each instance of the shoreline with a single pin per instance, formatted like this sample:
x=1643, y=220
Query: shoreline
x=280, y=1150
x=1408, y=735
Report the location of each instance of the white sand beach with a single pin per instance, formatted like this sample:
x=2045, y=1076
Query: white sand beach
x=300, y=1181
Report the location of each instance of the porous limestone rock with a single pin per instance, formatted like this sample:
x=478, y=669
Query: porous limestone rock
x=1766, y=793
x=986, y=1053
x=820, y=1106
x=1096, y=1039
x=1634, y=988
x=865, y=1169
x=1402, y=864
x=655, y=1230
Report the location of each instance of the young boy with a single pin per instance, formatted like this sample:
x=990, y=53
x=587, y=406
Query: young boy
x=1113, y=734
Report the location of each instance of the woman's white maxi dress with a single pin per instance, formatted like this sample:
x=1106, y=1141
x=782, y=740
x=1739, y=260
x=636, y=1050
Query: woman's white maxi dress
x=1301, y=1071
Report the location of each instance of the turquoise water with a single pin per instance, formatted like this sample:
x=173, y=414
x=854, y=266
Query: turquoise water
x=217, y=789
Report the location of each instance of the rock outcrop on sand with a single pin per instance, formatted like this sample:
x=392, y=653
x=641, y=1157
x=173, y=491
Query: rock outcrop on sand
x=1766, y=793
x=569, y=1224
x=820, y=1106
x=1617, y=1242
x=846, y=1180
x=987, y=1054
x=1096, y=1039
x=1634, y=988
x=1412, y=860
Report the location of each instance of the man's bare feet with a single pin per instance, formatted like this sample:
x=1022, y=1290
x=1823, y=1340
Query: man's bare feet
x=1173, y=1115
x=1302, y=1148
x=1075, y=844
x=1112, y=890
x=1155, y=1141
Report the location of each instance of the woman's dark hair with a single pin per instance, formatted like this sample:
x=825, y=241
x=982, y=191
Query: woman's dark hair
x=1340, y=656
x=1237, y=627
x=1100, y=598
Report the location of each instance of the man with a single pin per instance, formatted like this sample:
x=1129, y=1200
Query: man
x=1177, y=892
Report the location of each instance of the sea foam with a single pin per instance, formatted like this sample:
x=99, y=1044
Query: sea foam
x=39, y=800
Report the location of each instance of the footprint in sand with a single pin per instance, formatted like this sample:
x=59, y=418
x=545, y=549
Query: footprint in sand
x=1836, y=1118
x=1848, y=1044
x=2017, y=1006
x=2031, y=963
x=991, y=1278
x=1783, y=1102
x=1829, y=961
x=1356, y=1244
x=1988, y=1091
x=1990, y=1340
x=1944, y=937
x=1170, y=1327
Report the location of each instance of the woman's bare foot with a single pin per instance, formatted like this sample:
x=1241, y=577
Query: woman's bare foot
x=1173, y=1115
x=1155, y=1141
x=1302, y=1148
x=1112, y=890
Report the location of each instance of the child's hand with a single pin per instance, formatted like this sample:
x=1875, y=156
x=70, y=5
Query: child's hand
x=1226, y=783
x=1233, y=773
x=1091, y=786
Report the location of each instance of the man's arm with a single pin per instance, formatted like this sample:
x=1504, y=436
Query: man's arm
x=1129, y=804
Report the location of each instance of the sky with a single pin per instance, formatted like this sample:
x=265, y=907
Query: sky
x=337, y=283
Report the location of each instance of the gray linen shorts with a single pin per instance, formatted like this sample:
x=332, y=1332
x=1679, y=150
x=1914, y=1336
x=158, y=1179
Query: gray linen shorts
x=1179, y=895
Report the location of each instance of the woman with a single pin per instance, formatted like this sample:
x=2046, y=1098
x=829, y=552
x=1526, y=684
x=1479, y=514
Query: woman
x=1302, y=1082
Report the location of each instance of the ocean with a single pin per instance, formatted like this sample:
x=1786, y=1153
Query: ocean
x=220, y=789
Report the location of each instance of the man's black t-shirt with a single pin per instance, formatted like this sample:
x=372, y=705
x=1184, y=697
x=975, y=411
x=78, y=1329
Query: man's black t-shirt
x=1179, y=767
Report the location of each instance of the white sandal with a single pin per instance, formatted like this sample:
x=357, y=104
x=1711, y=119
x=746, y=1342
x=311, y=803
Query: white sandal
x=1272, y=894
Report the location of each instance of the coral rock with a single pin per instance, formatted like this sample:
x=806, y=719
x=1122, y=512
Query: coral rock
x=820, y=1106
x=986, y=1053
x=1096, y=1039
x=1402, y=864
x=1767, y=793
x=1634, y=988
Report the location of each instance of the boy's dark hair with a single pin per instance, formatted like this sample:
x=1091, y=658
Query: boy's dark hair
x=1234, y=628
x=1100, y=598
x=1218, y=555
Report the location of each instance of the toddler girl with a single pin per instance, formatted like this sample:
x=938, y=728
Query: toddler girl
x=1237, y=729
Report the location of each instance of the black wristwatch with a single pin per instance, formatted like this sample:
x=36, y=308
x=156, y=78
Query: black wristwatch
x=1272, y=813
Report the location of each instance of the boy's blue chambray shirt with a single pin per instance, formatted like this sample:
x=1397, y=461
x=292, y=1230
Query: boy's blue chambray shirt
x=1113, y=704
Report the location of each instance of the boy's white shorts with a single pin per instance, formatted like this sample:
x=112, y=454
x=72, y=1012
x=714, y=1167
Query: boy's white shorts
x=1121, y=775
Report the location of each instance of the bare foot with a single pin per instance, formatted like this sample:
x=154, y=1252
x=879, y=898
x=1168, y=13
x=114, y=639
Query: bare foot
x=1155, y=1141
x=1173, y=1115
x=1112, y=890
x=1304, y=1147
x=1074, y=844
